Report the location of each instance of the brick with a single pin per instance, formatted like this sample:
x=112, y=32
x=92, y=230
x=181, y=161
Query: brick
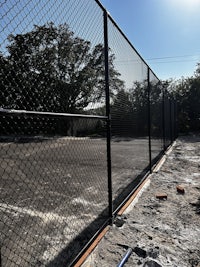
x=162, y=196
x=180, y=189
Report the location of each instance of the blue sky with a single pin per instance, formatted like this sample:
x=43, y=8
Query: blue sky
x=165, y=32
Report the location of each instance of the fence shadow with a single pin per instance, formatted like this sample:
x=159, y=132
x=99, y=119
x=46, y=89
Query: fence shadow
x=68, y=255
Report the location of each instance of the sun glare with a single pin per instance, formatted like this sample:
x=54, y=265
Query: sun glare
x=186, y=4
x=193, y=3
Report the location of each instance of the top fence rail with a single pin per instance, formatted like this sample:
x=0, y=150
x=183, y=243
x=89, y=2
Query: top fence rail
x=126, y=38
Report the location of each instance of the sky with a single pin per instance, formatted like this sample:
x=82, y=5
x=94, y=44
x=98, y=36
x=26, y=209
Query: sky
x=166, y=33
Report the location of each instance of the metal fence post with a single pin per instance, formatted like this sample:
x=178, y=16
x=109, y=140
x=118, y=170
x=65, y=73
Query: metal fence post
x=173, y=120
x=176, y=121
x=149, y=117
x=170, y=118
x=163, y=115
x=106, y=48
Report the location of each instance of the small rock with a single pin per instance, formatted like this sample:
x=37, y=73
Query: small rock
x=193, y=204
x=162, y=196
x=151, y=263
x=140, y=252
x=180, y=189
x=153, y=253
x=119, y=222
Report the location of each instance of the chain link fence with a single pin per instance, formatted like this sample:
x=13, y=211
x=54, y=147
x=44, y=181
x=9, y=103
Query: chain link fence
x=83, y=119
x=129, y=115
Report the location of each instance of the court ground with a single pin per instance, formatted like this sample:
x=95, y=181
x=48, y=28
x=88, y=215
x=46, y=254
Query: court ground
x=53, y=188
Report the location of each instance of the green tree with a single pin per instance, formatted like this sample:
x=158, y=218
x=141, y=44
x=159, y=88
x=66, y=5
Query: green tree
x=122, y=114
x=139, y=99
x=156, y=108
x=197, y=72
x=186, y=91
x=130, y=111
x=49, y=69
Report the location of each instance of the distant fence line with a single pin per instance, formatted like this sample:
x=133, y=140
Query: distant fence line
x=83, y=120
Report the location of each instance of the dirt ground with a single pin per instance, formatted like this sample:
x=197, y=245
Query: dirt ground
x=53, y=188
x=161, y=233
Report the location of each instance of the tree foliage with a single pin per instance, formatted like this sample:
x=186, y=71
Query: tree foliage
x=129, y=111
x=49, y=69
x=187, y=94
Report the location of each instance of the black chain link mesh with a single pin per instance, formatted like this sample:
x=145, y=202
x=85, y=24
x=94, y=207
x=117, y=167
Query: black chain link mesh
x=156, y=116
x=52, y=167
x=53, y=134
x=50, y=192
x=169, y=119
x=129, y=115
x=52, y=56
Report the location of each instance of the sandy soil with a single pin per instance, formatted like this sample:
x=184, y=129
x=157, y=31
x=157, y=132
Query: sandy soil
x=160, y=232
